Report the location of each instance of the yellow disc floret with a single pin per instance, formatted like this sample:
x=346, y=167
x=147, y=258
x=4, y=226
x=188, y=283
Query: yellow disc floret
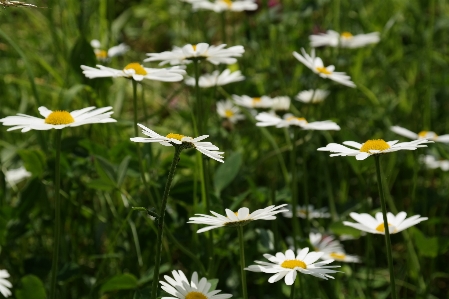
x=194, y=47
x=292, y=264
x=175, y=136
x=101, y=54
x=195, y=295
x=300, y=119
x=137, y=67
x=229, y=113
x=381, y=227
x=228, y=2
x=427, y=135
x=256, y=101
x=338, y=256
x=59, y=118
x=323, y=70
x=347, y=35
x=377, y=144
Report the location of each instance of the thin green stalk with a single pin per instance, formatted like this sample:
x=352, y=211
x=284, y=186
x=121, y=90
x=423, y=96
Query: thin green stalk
x=198, y=104
x=242, y=263
x=223, y=27
x=330, y=194
x=292, y=292
x=57, y=227
x=305, y=187
x=294, y=192
x=160, y=221
x=387, y=230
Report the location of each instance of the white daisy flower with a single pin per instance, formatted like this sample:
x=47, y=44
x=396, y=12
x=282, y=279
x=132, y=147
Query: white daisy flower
x=227, y=109
x=240, y=218
x=345, y=39
x=281, y=103
x=371, y=147
x=14, y=176
x=104, y=55
x=4, y=284
x=267, y=119
x=172, y=139
x=179, y=287
x=421, y=135
x=433, y=163
x=135, y=71
x=317, y=66
x=226, y=5
x=312, y=96
x=184, y=55
x=302, y=210
x=216, y=79
x=332, y=248
x=286, y=265
x=58, y=119
x=375, y=225
x=249, y=102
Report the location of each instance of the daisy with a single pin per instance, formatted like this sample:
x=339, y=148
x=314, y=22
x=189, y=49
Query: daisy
x=249, y=102
x=312, y=96
x=226, y=5
x=179, y=287
x=172, y=139
x=216, y=79
x=227, y=109
x=286, y=265
x=240, y=218
x=267, y=119
x=317, y=66
x=301, y=211
x=58, y=119
x=14, y=176
x=186, y=54
x=421, y=135
x=345, y=39
x=371, y=147
x=104, y=55
x=280, y=103
x=397, y=223
x=433, y=163
x=135, y=71
x=332, y=248
x=4, y=284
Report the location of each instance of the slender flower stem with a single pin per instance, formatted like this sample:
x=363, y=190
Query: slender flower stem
x=292, y=291
x=160, y=221
x=387, y=230
x=294, y=191
x=242, y=262
x=57, y=227
x=198, y=104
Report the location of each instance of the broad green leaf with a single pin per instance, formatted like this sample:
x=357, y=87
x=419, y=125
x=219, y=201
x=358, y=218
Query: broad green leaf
x=101, y=184
x=82, y=54
x=31, y=288
x=119, y=282
x=227, y=171
x=33, y=160
x=426, y=246
x=121, y=171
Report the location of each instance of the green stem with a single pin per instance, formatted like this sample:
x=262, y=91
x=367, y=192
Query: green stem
x=223, y=27
x=330, y=194
x=242, y=262
x=198, y=105
x=294, y=191
x=387, y=230
x=292, y=291
x=160, y=221
x=305, y=187
x=57, y=227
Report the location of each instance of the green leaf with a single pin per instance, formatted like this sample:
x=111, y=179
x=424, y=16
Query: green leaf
x=105, y=169
x=82, y=54
x=213, y=282
x=119, y=282
x=426, y=246
x=101, y=184
x=33, y=160
x=339, y=228
x=227, y=171
x=32, y=288
x=121, y=171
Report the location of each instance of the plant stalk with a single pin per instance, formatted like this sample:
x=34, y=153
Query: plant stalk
x=242, y=263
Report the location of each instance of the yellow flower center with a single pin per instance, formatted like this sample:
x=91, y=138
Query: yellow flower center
x=381, y=227
x=194, y=47
x=323, y=70
x=195, y=295
x=427, y=134
x=228, y=2
x=292, y=264
x=101, y=54
x=378, y=145
x=59, y=118
x=338, y=256
x=175, y=136
x=346, y=35
x=302, y=119
x=229, y=113
x=256, y=101
x=137, y=67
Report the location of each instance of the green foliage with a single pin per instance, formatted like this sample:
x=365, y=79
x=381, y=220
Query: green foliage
x=119, y=282
x=31, y=287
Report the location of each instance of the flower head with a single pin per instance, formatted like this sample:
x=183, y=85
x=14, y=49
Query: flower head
x=225, y=5
x=286, y=265
x=173, y=139
x=58, y=119
x=331, y=247
x=135, y=71
x=433, y=163
x=267, y=119
x=104, y=55
x=317, y=66
x=421, y=135
x=14, y=176
x=186, y=54
x=216, y=79
x=345, y=39
x=6, y=3
x=312, y=96
x=181, y=288
x=280, y=103
x=375, y=225
x=227, y=109
x=371, y=147
x=239, y=218
x=249, y=102
x=301, y=211
x=4, y=284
